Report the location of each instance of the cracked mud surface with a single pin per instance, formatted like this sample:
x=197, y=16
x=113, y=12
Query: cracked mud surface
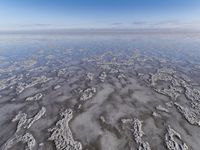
x=100, y=92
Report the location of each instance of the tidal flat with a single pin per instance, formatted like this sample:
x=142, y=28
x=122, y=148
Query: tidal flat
x=100, y=91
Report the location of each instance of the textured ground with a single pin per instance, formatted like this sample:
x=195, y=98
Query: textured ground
x=100, y=92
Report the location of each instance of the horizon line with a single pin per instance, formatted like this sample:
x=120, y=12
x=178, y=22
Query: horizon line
x=99, y=30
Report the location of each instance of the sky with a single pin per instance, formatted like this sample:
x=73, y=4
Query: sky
x=47, y=14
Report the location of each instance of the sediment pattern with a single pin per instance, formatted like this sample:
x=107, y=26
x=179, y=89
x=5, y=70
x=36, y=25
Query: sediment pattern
x=172, y=143
x=101, y=80
x=62, y=135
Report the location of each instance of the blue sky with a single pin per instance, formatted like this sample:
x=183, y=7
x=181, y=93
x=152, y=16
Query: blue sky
x=15, y=14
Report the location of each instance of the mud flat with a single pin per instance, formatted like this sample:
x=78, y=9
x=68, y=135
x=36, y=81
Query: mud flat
x=100, y=93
